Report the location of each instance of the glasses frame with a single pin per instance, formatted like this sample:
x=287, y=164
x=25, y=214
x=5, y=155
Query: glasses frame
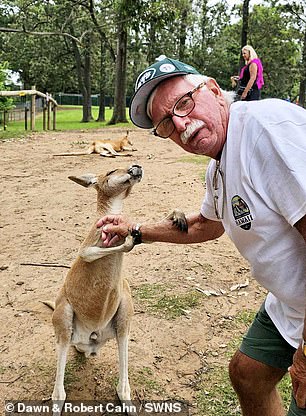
x=188, y=94
x=218, y=173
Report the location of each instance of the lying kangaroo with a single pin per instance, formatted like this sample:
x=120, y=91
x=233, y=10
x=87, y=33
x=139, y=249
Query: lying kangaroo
x=106, y=147
x=95, y=303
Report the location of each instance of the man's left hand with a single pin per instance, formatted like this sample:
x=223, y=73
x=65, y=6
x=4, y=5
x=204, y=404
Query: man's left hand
x=298, y=377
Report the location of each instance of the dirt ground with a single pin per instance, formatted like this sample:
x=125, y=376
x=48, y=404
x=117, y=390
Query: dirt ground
x=44, y=217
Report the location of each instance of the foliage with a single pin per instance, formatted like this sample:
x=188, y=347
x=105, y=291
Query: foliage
x=5, y=102
x=204, y=35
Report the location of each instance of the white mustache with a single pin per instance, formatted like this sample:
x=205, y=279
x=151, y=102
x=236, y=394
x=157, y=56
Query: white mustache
x=190, y=129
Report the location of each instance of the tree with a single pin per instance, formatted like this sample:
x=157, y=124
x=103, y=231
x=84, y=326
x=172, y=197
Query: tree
x=6, y=103
x=245, y=27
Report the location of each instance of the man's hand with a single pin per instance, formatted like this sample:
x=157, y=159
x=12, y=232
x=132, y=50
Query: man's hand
x=298, y=377
x=113, y=229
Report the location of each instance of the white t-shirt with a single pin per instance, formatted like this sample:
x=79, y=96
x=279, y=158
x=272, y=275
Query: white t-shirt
x=264, y=195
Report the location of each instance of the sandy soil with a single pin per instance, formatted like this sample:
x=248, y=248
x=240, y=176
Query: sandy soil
x=44, y=217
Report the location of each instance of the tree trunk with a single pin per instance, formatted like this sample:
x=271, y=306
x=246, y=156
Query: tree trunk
x=87, y=82
x=101, y=115
x=151, y=56
x=183, y=34
x=119, y=112
x=245, y=27
x=83, y=74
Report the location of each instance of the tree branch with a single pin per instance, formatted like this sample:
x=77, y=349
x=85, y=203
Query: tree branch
x=26, y=32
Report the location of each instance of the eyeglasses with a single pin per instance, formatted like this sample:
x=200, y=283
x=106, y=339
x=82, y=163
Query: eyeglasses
x=182, y=108
x=218, y=182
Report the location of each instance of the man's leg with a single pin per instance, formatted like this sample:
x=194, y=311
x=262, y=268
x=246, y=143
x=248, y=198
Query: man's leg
x=255, y=385
x=261, y=362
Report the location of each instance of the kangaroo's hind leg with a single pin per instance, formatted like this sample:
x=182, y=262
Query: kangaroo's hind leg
x=62, y=320
x=122, y=325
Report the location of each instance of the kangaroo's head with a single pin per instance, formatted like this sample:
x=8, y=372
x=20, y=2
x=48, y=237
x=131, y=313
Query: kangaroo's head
x=116, y=183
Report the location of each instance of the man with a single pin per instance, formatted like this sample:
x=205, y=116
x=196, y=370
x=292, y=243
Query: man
x=256, y=192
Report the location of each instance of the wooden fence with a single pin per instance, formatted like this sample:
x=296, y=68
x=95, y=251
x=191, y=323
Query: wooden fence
x=49, y=108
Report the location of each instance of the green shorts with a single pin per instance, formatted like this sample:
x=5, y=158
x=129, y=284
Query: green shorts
x=264, y=343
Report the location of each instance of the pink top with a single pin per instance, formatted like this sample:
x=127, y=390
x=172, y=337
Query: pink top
x=259, y=79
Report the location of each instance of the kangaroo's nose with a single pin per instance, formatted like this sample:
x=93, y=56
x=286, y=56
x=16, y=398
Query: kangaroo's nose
x=135, y=170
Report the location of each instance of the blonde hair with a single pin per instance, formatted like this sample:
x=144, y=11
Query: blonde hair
x=253, y=54
x=194, y=79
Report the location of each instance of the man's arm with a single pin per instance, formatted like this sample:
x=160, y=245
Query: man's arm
x=298, y=368
x=200, y=229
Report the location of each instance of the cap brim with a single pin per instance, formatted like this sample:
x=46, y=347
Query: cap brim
x=138, y=105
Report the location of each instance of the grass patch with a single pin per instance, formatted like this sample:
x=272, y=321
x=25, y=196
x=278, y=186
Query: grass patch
x=72, y=369
x=197, y=160
x=67, y=118
x=216, y=395
x=168, y=306
x=144, y=379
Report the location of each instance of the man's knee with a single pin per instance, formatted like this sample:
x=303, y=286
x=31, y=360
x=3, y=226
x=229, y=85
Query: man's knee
x=238, y=372
x=249, y=375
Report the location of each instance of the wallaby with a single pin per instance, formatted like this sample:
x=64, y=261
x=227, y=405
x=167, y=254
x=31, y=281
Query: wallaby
x=94, y=303
x=106, y=147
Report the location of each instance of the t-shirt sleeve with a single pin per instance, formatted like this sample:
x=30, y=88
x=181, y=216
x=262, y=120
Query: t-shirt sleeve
x=278, y=166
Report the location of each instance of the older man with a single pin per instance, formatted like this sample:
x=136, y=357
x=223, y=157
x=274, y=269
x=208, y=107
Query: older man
x=256, y=192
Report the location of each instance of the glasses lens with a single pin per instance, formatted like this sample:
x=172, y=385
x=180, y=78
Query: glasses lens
x=165, y=128
x=184, y=106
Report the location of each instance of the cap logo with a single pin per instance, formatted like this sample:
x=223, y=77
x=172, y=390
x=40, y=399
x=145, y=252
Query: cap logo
x=167, y=68
x=144, y=77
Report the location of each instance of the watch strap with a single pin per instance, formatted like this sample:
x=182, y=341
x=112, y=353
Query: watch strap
x=304, y=347
x=136, y=234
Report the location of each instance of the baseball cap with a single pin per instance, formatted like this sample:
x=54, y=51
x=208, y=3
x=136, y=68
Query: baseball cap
x=147, y=81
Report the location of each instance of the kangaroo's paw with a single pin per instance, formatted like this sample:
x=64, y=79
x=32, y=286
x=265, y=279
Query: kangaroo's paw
x=179, y=220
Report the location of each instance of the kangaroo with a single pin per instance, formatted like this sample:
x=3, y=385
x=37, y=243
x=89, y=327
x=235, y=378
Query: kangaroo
x=94, y=303
x=106, y=148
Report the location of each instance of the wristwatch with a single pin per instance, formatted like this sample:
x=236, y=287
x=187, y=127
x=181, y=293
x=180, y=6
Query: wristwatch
x=136, y=234
x=304, y=347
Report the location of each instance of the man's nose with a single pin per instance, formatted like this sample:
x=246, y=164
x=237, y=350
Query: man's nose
x=180, y=123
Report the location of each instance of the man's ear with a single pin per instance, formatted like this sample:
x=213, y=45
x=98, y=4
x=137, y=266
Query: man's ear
x=213, y=86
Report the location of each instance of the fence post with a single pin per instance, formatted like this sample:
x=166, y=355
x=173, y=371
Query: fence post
x=33, y=110
x=49, y=115
x=44, y=115
x=54, y=116
x=4, y=119
x=26, y=110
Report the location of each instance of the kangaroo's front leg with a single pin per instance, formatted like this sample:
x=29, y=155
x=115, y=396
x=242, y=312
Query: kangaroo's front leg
x=90, y=254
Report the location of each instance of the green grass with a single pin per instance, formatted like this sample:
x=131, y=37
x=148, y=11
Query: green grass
x=67, y=118
x=145, y=379
x=168, y=306
x=197, y=160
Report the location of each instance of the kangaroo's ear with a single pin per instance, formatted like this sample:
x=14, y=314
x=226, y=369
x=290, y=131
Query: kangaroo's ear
x=85, y=180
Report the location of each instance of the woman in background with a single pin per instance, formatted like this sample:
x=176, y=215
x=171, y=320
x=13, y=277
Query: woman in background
x=251, y=75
